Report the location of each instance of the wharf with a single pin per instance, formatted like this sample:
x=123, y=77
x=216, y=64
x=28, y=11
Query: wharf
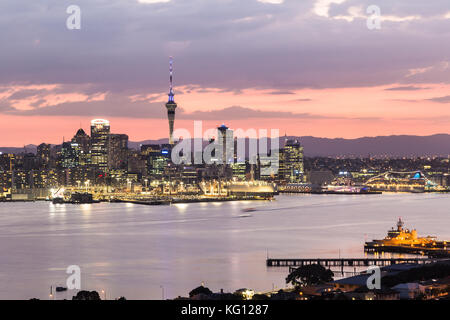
x=346, y=262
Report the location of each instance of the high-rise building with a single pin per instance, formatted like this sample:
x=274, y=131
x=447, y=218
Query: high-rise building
x=100, y=130
x=292, y=166
x=136, y=163
x=70, y=155
x=83, y=140
x=84, y=143
x=117, y=151
x=239, y=166
x=171, y=105
x=157, y=159
x=225, y=141
x=43, y=154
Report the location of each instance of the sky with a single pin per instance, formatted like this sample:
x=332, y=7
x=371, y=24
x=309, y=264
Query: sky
x=307, y=68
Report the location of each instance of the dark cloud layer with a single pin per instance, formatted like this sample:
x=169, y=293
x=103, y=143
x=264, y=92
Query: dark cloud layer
x=406, y=88
x=232, y=44
x=123, y=46
x=445, y=99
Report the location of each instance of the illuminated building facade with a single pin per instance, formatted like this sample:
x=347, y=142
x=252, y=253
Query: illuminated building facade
x=292, y=170
x=70, y=155
x=157, y=159
x=414, y=181
x=100, y=130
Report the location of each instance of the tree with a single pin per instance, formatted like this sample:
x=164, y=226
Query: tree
x=200, y=290
x=86, y=295
x=309, y=275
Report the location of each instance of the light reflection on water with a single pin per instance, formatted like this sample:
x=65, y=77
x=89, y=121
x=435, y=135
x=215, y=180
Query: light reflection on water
x=132, y=250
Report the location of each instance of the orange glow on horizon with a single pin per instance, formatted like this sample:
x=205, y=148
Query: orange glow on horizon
x=331, y=113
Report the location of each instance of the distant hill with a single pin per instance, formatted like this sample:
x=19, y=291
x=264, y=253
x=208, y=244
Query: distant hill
x=29, y=148
x=397, y=146
x=394, y=146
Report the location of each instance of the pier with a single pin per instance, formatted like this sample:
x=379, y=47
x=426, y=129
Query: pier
x=346, y=262
x=439, y=249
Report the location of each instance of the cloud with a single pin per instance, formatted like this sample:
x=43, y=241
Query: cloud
x=238, y=112
x=271, y=1
x=234, y=45
x=153, y=1
x=406, y=88
x=282, y=92
x=322, y=7
x=445, y=99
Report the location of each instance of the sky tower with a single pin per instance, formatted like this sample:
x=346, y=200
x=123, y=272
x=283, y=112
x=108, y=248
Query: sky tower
x=171, y=105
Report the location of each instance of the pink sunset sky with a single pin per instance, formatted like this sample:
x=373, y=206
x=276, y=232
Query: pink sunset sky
x=307, y=68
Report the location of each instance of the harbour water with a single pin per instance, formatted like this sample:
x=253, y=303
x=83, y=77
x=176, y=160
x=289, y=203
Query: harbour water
x=146, y=252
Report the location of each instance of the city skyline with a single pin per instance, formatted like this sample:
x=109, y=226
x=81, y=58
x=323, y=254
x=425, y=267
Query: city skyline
x=355, y=82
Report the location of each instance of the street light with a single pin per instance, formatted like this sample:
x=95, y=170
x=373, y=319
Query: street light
x=162, y=289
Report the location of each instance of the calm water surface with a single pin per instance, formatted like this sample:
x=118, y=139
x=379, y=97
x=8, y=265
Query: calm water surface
x=141, y=252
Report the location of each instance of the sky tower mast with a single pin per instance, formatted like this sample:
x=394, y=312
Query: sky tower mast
x=171, y=105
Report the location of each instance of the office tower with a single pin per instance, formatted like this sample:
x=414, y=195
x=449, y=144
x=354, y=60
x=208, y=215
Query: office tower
x=225, y=141
x=117, y=151
x=30, y=162
x=70, y=155
x=157, y=159
x=43, y=154
x=100, y=131
x=171, y=105
x=136, y=163
x=83, y=140
x=292, y=162
x=7, y=161
x=84, y=143
x=239, y=166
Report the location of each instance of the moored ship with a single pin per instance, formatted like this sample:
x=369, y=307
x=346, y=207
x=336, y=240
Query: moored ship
x=407, y=241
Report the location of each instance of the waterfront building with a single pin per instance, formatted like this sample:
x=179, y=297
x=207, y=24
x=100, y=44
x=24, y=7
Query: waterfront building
x=414, y=181
x=189, y=175
x=268, y=168
x=292, y=167
x=100, y=130
x=239, y=171
x=118, y=178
